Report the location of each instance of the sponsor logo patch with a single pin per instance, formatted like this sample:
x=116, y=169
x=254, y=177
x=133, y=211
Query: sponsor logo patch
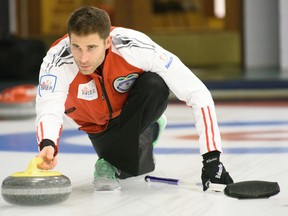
x=123, y=84
x=47, y=84
x=167, y=60
x=87, y=91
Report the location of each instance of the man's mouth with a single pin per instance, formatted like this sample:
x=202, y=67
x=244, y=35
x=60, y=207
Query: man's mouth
x=84, y=67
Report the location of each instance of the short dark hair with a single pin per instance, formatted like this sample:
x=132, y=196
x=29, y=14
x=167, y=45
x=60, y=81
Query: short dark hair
x=88, y=20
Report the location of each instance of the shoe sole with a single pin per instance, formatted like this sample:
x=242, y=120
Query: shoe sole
x=108, y=188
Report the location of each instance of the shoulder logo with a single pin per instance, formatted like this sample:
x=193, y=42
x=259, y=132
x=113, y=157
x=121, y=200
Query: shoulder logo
x=47, y=84
x=123, y=84
x=87, y=91
x=167, y=60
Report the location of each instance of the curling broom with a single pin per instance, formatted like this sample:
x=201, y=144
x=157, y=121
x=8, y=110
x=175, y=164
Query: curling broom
x=241, y=190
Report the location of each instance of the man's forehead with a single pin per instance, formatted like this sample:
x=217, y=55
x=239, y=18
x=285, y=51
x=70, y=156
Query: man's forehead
x=89, y=39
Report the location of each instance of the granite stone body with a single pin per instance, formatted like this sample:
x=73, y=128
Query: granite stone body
x=33, y=191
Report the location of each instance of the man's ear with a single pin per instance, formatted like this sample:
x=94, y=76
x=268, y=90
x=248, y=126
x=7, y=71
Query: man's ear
x=108, y=42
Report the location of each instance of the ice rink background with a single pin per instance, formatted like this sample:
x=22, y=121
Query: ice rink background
x=255, y=148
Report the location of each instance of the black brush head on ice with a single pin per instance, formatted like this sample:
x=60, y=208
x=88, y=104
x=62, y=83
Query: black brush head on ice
x=36, y=187
x=252, y=189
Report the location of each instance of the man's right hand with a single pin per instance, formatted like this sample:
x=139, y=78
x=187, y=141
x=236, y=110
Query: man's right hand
x=49, y=161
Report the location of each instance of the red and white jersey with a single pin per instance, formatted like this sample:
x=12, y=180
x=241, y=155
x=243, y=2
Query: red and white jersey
x=91, y=100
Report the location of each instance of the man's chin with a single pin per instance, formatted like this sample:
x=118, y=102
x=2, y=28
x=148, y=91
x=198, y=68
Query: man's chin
x=84, y=72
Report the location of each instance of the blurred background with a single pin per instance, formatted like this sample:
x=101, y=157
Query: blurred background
x=238, y=48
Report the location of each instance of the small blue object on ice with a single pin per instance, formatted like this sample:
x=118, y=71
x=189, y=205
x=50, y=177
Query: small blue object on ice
x=162, y=180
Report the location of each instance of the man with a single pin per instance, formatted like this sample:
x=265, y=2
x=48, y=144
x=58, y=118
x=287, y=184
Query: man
x=114, y=84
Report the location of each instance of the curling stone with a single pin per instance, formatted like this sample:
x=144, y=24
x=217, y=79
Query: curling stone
x=18, y=102
x=36, y=187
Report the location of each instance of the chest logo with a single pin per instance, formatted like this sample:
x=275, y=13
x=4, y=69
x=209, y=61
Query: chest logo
x=123, y=84
x=87, y=91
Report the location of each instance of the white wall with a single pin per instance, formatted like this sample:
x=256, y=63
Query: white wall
x=12, y=17
x=261, y=34
x=283, y=36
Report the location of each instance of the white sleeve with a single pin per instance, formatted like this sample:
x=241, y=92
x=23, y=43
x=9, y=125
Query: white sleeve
x=52, y=93
x=142, y=52
x=188, y=88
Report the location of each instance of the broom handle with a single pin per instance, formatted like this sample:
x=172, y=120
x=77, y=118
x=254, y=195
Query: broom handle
x=178, y=182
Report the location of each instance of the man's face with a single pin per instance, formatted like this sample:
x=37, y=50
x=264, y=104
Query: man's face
x=89, y=51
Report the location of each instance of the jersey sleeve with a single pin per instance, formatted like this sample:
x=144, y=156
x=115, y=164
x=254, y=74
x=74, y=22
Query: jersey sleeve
x=139, y=50
x=190, y=89
x=52, y=93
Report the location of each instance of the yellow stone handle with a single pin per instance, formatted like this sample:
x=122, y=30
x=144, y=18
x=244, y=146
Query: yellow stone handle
x=32, y=167
x=32, y=170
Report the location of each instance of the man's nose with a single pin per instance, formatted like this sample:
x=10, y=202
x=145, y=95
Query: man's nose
x=84, y=57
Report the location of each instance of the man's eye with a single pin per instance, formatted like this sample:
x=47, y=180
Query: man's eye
x=91, y=48
x=75, y=46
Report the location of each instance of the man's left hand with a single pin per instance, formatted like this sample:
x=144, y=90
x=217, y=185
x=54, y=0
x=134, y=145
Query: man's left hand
x=213, y=170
